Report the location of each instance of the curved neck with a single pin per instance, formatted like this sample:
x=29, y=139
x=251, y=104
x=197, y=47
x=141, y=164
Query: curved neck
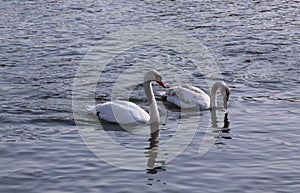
x=153, y=109
x=213, y=93
x=215, y=87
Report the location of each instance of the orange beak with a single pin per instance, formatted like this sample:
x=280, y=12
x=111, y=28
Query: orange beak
x=161, y=83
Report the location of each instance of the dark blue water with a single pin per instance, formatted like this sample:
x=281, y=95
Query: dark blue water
x=251, y=45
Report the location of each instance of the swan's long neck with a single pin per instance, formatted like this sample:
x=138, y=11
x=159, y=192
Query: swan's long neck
x=153, y=109
x=213, y=102
x=213, y=93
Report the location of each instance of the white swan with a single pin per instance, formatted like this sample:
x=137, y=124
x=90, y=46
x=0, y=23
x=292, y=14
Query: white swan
x=193, y=97
x=124, y=112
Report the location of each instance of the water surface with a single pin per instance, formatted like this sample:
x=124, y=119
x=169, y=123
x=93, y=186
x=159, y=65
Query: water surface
x=254, y=44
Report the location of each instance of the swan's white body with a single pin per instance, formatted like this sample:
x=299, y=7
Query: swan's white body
x=122, y=112
x=187, y=97
x=125, y=112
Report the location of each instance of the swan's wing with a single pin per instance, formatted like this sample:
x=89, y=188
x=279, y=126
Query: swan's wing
x=188, y=97
x=122, y=112
x=173, y=96
x=137, y=113
x=196, y=90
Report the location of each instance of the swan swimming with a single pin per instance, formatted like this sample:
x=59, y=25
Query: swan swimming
x=125, y=112
x=192, y=97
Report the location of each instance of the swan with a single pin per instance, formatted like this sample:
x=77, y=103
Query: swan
x=125, y=112
x=193, y=97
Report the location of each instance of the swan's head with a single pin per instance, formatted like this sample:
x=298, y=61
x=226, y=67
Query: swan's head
x=153, y=75
x=225, y=93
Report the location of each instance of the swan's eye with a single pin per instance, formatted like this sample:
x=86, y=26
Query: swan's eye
x=158, y=77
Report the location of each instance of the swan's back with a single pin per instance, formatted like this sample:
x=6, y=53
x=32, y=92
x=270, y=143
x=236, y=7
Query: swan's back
x=188, y=97
x=122, y=112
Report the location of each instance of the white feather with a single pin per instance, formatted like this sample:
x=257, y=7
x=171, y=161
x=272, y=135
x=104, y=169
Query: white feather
x=122, y=112
x=193, y=97
x=188, y=97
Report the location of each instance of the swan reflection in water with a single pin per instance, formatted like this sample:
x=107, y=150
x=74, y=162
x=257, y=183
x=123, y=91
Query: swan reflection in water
x=223, y=132
x=215, y=133
x=155, y=161
x=152, y=152
x=154, y=165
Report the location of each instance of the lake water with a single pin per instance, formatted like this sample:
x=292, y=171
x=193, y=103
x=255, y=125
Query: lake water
x=57, y=57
